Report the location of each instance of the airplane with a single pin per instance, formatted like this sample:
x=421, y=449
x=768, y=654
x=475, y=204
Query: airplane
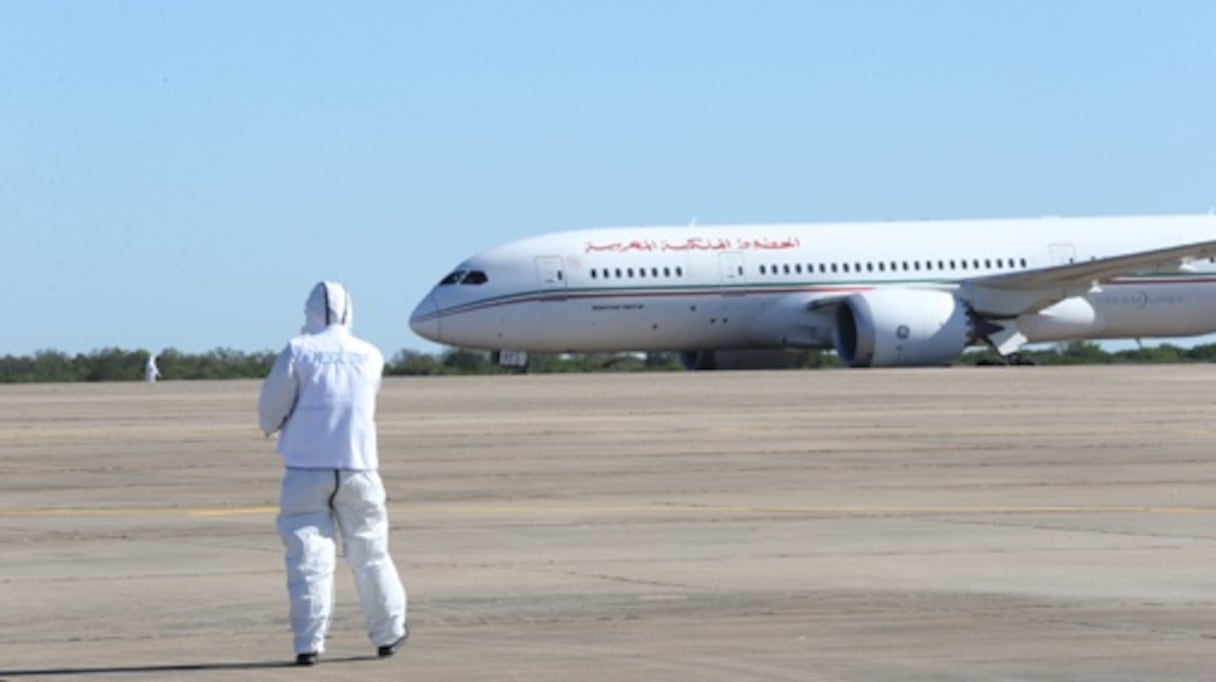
x=880, y=294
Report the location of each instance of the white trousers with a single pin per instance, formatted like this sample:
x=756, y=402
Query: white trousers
x=314, y=506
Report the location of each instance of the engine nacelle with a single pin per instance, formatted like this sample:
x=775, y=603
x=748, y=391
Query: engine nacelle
x=901, y=327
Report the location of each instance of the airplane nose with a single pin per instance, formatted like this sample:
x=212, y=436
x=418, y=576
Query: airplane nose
x=425, y=319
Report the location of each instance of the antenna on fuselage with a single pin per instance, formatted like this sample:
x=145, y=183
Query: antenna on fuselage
x=694, y=222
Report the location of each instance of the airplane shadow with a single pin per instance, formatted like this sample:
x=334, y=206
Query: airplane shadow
x=169, y=668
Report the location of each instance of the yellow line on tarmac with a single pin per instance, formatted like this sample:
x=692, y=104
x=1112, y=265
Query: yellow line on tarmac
x=658, y=510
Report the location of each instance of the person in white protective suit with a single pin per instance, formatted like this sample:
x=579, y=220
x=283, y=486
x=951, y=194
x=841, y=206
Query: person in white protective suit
x=320, y=397
x=151, y=371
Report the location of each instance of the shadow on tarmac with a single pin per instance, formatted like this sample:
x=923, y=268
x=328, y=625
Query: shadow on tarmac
x=168, y=668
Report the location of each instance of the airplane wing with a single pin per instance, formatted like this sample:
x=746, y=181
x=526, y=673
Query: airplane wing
x=1011, y=294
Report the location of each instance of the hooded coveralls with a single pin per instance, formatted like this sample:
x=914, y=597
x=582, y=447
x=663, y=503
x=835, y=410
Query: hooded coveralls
x=321, y=395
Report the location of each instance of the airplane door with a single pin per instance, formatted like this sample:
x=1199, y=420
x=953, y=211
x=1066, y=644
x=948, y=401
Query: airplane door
x=550, y=272
x=730, y=268
x=551, y=277
x=1062, y=254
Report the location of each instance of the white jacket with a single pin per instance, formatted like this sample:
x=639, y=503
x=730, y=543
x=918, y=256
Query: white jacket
x=321, y=393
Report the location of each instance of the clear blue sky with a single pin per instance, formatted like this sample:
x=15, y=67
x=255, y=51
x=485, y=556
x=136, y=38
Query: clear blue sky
x=179, y=174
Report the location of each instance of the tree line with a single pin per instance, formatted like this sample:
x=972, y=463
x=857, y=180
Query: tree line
x=115, y=364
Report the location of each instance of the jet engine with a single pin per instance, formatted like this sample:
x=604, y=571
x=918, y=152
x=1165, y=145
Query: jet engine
x=901, y=327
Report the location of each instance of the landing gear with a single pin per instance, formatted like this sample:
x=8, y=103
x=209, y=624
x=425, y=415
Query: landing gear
x=1003, y=337
x=1019, y=360
x=511, y=359
x=1011, y=360
x=698, y=360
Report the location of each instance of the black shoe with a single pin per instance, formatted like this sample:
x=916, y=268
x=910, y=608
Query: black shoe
x=306, y=659
x=390, y=649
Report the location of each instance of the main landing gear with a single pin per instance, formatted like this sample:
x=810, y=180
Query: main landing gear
x=1018, y=360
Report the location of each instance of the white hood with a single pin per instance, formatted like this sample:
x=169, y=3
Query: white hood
x=327, y=304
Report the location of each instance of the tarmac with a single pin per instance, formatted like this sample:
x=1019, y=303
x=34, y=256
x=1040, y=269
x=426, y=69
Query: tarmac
x=1029, y=523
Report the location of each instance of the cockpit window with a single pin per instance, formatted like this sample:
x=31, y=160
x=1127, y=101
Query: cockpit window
x=475, y=277
x=452, y=278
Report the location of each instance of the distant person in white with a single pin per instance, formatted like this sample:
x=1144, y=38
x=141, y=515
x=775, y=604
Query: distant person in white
x=151, y=372
x=321, y=397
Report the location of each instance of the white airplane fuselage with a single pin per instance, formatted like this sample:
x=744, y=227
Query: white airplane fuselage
x=783, y=286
